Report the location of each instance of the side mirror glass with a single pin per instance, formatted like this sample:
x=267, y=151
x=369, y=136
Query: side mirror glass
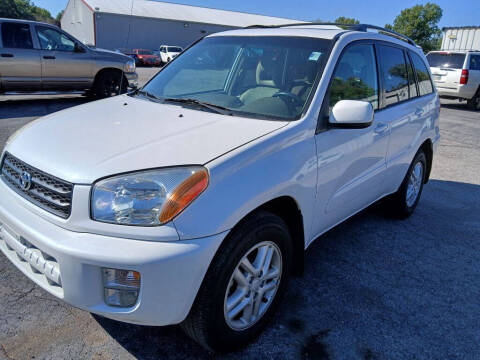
x=353, y=114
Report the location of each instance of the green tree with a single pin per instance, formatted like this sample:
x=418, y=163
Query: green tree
x=346, y=20
x=42, y=14
x=16, y=9
x=339, y=20
x=59, y=16
x=420, y=23
x=24, y=9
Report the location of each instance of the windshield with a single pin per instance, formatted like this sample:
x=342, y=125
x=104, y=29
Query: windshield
x=145, y=52
x=265, y=77
x=174, y=49
x=446, y=60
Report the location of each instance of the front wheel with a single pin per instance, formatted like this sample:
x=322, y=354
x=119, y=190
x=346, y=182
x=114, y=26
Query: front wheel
x=243, y=285
x=402, y=204
x=110, y=83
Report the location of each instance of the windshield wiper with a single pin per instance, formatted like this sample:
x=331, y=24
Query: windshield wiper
x=217, y=108
x=147, y=94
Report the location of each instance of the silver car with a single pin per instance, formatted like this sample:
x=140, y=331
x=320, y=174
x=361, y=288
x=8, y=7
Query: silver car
x=39, y=57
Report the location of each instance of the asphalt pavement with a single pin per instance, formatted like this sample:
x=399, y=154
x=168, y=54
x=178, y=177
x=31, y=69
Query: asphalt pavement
x=373, y=288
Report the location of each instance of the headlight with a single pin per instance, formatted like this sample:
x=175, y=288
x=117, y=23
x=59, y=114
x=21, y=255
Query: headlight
x=130, y=66
x=147, y=198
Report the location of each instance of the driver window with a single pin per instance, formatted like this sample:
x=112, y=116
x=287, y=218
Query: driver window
x=53, y=40
x=355, y=76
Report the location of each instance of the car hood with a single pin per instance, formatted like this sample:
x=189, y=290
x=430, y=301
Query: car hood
x=100, y=52
x=122, y=134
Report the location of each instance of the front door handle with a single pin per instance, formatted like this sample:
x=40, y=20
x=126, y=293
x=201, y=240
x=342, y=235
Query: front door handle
x=381, y=128
x=7, y=55
x=49, y=57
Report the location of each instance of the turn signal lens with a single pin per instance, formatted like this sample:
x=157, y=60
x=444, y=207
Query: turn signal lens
x=121, y=287
x=183, y=195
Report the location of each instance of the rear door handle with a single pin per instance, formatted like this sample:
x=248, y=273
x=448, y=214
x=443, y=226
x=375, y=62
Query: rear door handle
x=49, y=57
x=381, y=128
x=419, y=112
x=7, y=55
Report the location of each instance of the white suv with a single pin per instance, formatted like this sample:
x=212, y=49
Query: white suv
x=457, y=75
x=168, y=53
x=193, y=199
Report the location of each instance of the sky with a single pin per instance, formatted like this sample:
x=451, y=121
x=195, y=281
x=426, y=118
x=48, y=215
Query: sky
x=375, y=12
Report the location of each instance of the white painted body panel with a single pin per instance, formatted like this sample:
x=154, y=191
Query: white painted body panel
x=82, y=255
x=168, y=56
x=123, y=134
x=330, y=175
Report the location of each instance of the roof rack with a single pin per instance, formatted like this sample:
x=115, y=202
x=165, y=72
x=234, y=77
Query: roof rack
x=351, y=27
x=365, y=27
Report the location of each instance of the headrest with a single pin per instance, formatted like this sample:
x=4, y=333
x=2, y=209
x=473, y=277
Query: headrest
x=270, y=69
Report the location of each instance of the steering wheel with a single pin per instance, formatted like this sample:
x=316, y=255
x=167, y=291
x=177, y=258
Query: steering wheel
x=290, y=99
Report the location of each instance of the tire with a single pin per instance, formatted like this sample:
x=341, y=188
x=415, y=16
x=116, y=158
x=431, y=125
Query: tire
x=168, y=60
x=401, y=205
x=110, y=83
x=474, y=103
x=208, y=322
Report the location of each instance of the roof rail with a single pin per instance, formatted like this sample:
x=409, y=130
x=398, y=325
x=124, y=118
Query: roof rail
x=365, y=27
x=351, y=27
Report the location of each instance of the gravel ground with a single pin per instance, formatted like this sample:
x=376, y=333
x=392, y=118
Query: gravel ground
x=373, y=288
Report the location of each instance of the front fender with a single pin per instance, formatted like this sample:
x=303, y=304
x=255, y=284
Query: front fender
x=282, y=163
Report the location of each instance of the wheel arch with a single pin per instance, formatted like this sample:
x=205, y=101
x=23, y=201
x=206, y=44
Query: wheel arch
x=427, y=148
x=286, y=208
x=108, y=69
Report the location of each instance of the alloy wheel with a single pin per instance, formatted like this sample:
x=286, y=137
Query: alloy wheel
x=253, y=286
x=414, y=184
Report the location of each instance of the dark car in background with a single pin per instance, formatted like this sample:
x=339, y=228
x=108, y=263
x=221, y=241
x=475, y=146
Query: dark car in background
x=39, y=57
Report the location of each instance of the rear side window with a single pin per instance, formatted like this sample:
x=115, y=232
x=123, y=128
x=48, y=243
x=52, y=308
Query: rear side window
x=15, y=35
x=423, y=76
x=446, y=60
x=412, y=87
x=393, y=74
x=475, y=62
x=355, y=76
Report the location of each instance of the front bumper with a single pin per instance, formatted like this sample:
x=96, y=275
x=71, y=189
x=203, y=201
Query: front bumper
x=68, y=265
x=132, y=80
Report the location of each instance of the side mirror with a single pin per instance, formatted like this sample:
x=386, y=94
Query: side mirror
x=78, y=48
x=351, y=114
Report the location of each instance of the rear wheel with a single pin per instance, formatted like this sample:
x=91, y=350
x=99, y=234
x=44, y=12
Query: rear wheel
x=402, y=204
x=110, y=83
x=474, y=103
x=243, y=285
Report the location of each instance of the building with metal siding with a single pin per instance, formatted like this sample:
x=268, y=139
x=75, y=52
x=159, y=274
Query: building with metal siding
x=461, y=38
x=113, y=24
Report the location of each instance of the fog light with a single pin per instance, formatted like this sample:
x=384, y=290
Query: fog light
x=121, y=287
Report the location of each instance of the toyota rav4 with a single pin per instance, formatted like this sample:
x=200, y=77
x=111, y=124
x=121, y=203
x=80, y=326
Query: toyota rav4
x=191, y=200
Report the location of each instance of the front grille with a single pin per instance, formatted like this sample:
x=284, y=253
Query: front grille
x=46, y=191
